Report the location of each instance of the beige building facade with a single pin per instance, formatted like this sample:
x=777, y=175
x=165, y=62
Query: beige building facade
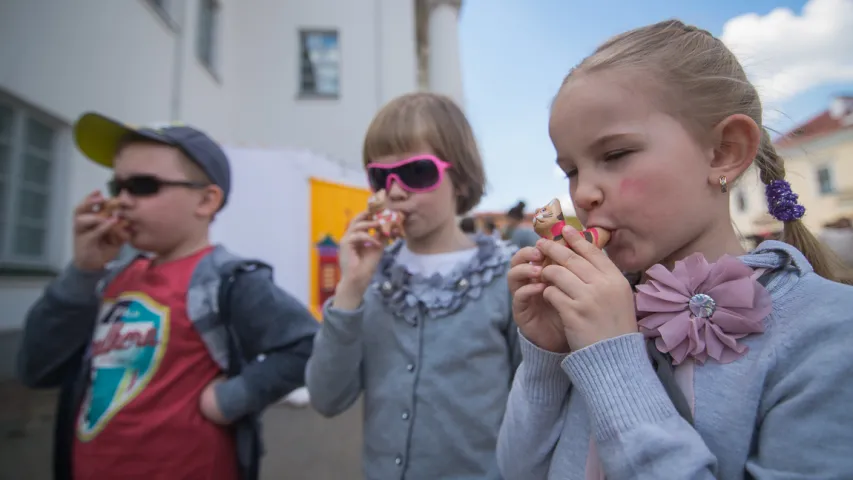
x=819, y=164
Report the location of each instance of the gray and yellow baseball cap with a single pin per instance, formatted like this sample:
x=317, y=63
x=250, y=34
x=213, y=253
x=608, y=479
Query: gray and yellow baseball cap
x=99, y=137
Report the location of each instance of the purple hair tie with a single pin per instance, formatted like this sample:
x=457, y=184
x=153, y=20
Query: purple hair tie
x=782, y=202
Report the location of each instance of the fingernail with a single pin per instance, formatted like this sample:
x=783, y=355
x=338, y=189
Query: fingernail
x=569, y=230
x=537, y=270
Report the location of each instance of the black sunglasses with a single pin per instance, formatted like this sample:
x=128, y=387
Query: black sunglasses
x=147, y=185
x=419, y=174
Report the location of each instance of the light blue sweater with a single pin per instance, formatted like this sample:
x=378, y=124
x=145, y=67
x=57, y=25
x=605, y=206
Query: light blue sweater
x=784, y=411
x=434, y=357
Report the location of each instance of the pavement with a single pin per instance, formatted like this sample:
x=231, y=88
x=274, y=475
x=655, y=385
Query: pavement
x=300, y=444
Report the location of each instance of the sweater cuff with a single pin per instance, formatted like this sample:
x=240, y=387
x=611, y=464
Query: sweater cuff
x=621, y=389
x=540, y=374
x=232, y=398
x=77, y=286
x=342, y=326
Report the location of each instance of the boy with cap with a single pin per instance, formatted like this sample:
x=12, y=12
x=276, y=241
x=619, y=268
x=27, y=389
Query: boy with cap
x=137, y=344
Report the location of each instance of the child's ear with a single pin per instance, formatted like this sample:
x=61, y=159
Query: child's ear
x=736, y=142
x=211, y=200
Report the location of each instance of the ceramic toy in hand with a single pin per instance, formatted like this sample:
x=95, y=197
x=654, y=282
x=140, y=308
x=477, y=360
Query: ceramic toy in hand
x=390, y=221
x=548, y=223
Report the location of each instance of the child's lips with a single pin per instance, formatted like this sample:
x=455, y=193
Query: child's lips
x=129, y=226
x=614, y=237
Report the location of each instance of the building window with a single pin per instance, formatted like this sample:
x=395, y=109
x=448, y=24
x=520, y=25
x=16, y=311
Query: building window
x=740, y=200
x=320, y=59
x=27, y=165
x=825, y=182
x=208, y=28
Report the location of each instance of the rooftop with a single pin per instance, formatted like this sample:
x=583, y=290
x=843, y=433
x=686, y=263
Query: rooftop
x=838, y=117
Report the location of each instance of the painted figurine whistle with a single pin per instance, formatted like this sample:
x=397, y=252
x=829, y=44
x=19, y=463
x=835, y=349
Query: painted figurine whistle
x=548, y=223
x=390, y=221
x=110, y=208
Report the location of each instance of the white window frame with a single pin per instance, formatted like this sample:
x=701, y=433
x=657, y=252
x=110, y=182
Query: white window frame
x=831, y=172
x=207, y=45
x=306, y=64
x=9, y=259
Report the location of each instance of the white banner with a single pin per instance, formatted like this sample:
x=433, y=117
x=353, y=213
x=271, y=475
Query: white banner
x=268, y=215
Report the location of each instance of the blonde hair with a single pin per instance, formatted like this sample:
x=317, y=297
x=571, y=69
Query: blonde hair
x=707, y=84
x=419, y=121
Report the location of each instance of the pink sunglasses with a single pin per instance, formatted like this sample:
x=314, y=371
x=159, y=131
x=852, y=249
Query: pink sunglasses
x=419, y=174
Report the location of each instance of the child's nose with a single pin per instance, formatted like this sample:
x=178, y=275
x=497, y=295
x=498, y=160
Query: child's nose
x=125, y=200
x=587, y=195
x=396, y=192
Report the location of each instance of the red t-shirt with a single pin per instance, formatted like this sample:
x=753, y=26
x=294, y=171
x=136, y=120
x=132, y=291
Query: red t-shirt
x=140, y=418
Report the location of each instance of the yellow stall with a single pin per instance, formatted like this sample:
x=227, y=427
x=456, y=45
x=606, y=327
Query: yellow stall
x=333, y=205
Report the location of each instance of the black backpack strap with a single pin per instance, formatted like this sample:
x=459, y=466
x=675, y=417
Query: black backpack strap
x=247, y=430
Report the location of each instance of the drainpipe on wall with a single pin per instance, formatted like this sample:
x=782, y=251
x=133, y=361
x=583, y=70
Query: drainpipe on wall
x=377, y=7
x=178, y=58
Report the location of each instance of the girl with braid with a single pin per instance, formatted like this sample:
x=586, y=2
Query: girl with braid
x=714, y=362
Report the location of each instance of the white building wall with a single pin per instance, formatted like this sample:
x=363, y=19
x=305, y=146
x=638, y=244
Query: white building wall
x=61, y=58
x=120, y=58
x=65, y=58
x=445, y=68
x=378, y=63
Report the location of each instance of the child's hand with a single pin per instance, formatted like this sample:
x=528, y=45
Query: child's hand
x=359, y=255
x=209, y=406
x=593, y=298
x=95, y=240
x=537, y=320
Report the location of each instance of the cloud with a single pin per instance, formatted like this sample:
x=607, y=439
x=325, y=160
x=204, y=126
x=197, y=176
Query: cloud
x=786, y=54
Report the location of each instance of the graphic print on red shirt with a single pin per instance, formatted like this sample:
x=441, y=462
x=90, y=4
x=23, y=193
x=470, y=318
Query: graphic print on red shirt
x=140, y=417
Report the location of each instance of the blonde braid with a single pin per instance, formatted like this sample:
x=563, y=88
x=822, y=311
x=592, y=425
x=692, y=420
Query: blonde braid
x=771, y=168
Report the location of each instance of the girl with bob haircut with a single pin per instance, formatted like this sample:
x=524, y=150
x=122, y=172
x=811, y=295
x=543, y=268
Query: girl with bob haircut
x=713, y=362
x=423, y=328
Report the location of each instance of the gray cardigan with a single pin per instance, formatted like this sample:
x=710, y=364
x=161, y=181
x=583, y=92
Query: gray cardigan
x=784, y=411
x=435, y=359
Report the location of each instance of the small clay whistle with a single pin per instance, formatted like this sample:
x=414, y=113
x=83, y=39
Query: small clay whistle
x=548, y=223
x=390, y=221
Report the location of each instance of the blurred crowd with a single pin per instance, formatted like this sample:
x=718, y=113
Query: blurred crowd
x=513, y=227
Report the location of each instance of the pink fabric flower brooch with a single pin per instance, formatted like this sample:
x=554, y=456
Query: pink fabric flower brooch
x=701, y=310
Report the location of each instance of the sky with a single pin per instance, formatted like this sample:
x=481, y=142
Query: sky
x=515, y=54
